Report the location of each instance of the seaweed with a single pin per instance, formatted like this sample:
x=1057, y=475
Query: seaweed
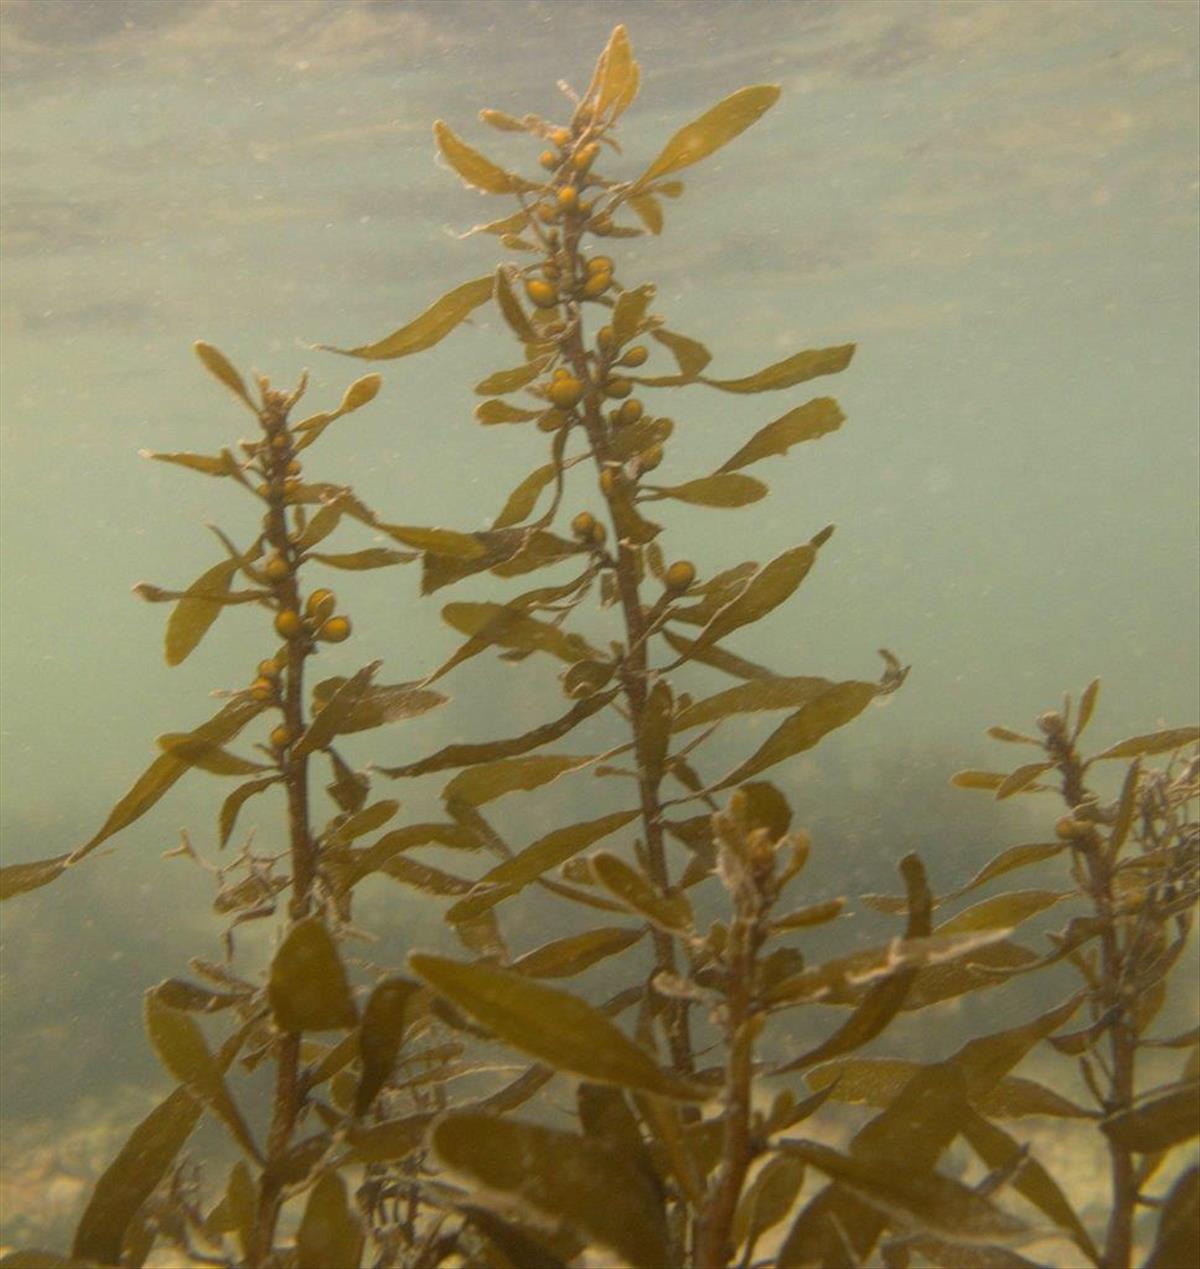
x=388, y=1139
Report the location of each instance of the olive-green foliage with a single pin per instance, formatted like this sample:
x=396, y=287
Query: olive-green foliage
x=683, y=1149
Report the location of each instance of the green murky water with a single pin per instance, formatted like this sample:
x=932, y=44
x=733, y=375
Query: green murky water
x=997, y=201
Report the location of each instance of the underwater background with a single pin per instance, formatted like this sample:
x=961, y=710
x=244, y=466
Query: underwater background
x=997, y=201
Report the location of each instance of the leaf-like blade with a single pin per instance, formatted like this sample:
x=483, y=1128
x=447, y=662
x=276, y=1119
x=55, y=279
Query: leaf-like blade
x=463, y=755
x=555, y=848
x=221, y=368
x=511, y=309
x=322, y=524
x=810, y=915
x=224, y=465
x=432, y=326
x=330, y=1232
x=387, y=1013
x=668, y=912
x=424, y=877
x=197, y=610
x=166, y=769
x=361, y=822
x=767, y=1199
x=842, y=979
x=1008, y=861
x=503, y=122
x=986, y=1059
x=804, y=423
x=984, y=969
x=999, y=1151
x=207, y=756
x=798, y=368
x=912, y=1133
x=1154, y=742
x=972, y=779
x=882, y=1001
x=1022, y=778
x=348, y=788
x=377, y=704
x=1007, y=910
x=524, y=497
x=563, y=958
x=498, y=411
x=510, y=380
x=629, y=312
x=308, y=990
x=358, y=394
x=522, y=1246
x=765, y=591
x=1011, y=737
x=355, y=397
x=16, y=879
x=715, y=593
x=178, y=993
x=338, y=710
x=1087, y=706
x=877, y=1081
x=719, y=658
x=348, y=873
x=478, y=902
x=476, y=170
x=371, y=557
x=615, y=82
x=1127, y=805
x=1015, y=1097
x=654, y=732
x=1178, y=1242
x=760, y=804
x=1158, y=1123
x=507, y=553
x=802, y=730
x=551, y=1025
x=690, y=355
x=436, y=541
x=955, y=1254
x=178, y=1041
x=631, y=526
x=241, y=1202
x=924, y=1201
x=723, y=489
x=751, y=698
x=133, y=1176
x=391, y=1139
x=491, y=780
x=605, y=1116
x=237, y=799
x=504, y=227
x=575, y=1179
x=648, y=210
x=1184, y=1040
x=715, y=128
